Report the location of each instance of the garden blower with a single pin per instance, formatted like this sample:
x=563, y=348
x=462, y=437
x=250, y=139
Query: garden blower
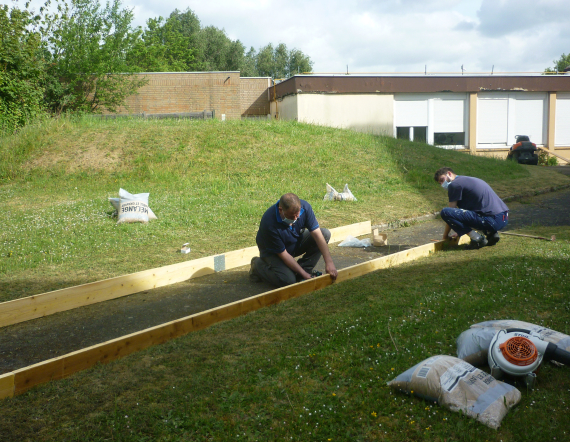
x=518, y=353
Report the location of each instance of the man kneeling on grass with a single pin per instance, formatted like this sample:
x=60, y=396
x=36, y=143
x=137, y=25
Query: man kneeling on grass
x=289, y=229
x=473, y=206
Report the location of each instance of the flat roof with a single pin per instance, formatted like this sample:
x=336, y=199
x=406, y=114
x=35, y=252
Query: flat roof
x=418, y=83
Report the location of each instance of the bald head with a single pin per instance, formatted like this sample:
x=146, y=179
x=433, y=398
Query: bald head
x=290, y=202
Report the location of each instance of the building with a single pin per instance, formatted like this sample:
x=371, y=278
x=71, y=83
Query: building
x=226, y=94
x=478, y=113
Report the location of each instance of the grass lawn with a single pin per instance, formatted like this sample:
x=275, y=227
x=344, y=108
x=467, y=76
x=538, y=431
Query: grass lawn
x=314, y=368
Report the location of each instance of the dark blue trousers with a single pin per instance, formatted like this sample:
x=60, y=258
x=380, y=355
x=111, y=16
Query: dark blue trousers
x=463, y=221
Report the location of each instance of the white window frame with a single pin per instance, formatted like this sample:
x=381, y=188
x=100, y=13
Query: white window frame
x=430, y=99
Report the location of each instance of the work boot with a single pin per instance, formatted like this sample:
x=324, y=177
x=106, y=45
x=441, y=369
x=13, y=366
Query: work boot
x=473, y=245
x=253, y=276
x=493, y=238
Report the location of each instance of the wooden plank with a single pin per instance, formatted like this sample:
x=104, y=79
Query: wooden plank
x=36, y=306
x=32, y=307
x=40, y=373
x=7, y=385
x=25, y=378
x=359, y=229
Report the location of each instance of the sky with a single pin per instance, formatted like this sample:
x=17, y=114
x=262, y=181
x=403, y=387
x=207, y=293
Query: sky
x=372, y=36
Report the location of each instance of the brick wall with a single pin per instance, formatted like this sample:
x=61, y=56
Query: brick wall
x=180, y=92
x=254, y=96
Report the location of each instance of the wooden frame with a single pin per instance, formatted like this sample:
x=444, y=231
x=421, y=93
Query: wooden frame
x=36, y=306
x=21, y=380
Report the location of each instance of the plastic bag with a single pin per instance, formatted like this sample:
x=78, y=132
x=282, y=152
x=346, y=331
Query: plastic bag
x=351, y=241
x=333, y=195
x=459, y=386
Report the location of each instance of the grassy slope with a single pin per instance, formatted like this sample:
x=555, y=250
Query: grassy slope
x=313, y=368
x=209, y=182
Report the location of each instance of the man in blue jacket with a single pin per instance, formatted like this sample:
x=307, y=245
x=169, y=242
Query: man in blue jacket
x=473, y=206
x=289, y=229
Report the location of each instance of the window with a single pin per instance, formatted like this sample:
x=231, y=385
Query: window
x=440, y=119
x=449, y=138
x=416, y=133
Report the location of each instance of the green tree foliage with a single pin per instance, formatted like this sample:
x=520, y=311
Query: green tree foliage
x=87, y=47
x=162, y=48
x=279, y=62
x=21, y=69
x=218, y=51
x=560, y=64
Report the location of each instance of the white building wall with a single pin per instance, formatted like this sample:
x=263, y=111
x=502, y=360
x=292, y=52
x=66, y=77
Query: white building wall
x=370, y=113
x=286, y=108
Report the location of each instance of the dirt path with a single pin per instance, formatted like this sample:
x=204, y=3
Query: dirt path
x=37, y=340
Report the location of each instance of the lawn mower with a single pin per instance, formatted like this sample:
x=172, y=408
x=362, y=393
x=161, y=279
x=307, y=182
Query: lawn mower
x=523, y=151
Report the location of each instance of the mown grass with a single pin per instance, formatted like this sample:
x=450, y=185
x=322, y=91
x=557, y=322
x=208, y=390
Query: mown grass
x=315, y=368
x=209, y=183
x=311, y=369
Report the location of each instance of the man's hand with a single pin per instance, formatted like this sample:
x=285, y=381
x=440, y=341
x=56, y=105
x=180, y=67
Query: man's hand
x=331, y=270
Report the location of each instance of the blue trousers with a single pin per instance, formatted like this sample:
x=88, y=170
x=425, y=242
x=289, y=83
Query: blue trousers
x=463, y=221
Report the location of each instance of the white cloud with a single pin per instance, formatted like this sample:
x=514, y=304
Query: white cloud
x=391, y=35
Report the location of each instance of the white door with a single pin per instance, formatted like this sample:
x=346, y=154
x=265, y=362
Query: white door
x=562, y=121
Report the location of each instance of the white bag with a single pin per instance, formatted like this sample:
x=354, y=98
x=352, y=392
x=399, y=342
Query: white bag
x=132, y=208
x=333, y=195
x=115, y=202
x=459, y=386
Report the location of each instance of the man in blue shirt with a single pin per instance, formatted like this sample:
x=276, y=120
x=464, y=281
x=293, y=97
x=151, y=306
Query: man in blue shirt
x=289, y=229
x=472, y=205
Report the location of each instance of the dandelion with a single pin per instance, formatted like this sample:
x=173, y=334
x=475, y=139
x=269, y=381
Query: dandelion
x=374, y=414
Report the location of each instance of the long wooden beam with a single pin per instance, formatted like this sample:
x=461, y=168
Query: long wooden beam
x=555, y=154
x=36, y=306
x=21, y=380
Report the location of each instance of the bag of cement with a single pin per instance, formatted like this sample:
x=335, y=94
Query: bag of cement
x=115, y=202
x=473, y=344
x=459, y=386
x=351, y=241
x=333, y=195
x=132, y=208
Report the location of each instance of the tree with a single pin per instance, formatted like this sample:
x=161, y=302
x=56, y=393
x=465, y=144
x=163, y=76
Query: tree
x=248, y=67
x=21, y=69
x=299, y=62
x=87, y=46
x=162, y=48
x=280, y=62
x=561, y=64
